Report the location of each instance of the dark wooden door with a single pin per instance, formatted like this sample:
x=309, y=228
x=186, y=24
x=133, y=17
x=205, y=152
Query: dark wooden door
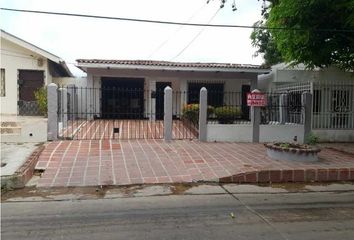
x=159, y=108
x=28, y=82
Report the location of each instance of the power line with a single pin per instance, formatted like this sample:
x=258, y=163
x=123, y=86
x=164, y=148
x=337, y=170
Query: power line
x=177, y=30
x=196, y=36
x=176, y=23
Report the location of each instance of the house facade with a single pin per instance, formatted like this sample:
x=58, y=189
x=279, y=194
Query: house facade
x=332, y=95
x=25, y=68
x=129, y=86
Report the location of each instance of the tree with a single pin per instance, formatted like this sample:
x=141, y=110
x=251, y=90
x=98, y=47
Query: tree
x=264, y=42
x=317, y=33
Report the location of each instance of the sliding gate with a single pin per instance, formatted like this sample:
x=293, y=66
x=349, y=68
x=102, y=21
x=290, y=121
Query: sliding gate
x=118, y=113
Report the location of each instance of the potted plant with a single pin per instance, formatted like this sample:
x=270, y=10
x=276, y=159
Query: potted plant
x=294, y=151
x=227, y=114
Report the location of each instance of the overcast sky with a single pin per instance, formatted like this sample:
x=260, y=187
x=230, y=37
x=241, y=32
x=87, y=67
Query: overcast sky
x=71, y=37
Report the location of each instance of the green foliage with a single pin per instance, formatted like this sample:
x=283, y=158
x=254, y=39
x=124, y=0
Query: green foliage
x=227, y=114
x=284, y=145
x=308, y=45
x=41, y=98
x=191, y=112
x=264, y=42
x=312, y=139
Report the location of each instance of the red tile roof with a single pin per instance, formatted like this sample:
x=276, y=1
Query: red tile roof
x=170, y=64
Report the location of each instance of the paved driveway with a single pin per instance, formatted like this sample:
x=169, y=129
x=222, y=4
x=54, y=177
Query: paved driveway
x=120, y=162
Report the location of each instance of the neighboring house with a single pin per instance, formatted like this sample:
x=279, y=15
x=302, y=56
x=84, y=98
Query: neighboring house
x=25, y=68
x=333, y=97
x=139, y=85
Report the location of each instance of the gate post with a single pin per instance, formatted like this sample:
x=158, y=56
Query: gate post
x=64, y=106
x=52, y=106
x=167, y=119
x=203, y=108
x=306, y=99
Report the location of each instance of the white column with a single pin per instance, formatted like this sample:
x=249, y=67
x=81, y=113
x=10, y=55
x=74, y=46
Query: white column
x=152, y=106
x=52, y=105
x=203, y=108
x=64, y=106
x=168, y=114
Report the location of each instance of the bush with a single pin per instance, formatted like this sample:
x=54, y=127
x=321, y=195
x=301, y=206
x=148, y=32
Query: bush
x=191, y=112
x=227, y=114
x=41, y=98
x=312, y=139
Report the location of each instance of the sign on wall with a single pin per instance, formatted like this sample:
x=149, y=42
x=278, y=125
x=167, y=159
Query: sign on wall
x=256, y=99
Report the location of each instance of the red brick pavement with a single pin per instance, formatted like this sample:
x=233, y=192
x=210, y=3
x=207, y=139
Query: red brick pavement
x=121, y=162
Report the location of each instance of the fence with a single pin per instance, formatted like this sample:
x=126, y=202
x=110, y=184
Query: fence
x=119, y=113
x=333, y=102
x=280, y=109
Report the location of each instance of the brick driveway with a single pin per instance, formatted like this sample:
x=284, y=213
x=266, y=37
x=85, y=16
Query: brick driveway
x=120, y=162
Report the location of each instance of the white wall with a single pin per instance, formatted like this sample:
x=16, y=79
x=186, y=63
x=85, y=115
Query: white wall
x=229, y=132
x=243, y=133
x=14, y=58
x=337, y=135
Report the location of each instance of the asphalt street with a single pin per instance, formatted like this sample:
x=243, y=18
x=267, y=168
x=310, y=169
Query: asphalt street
x=316, y=215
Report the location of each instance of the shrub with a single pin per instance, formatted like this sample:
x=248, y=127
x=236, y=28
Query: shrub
x=191, y=112
x=227, y=114
x=41, y=98
x=312, y=139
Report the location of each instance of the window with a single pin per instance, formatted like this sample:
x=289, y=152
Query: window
x=2, y=83
x=215, y=93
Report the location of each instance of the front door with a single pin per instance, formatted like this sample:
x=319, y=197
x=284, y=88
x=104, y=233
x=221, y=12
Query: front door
x=160, y=87
x=29, y=81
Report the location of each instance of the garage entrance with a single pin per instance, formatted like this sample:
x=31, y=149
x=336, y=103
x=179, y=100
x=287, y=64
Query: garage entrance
x=122, y=98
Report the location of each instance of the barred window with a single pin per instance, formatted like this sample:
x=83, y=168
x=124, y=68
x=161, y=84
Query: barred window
x=2, y=83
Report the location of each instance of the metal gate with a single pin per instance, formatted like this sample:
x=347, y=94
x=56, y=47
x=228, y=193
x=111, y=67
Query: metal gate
x=118, y=113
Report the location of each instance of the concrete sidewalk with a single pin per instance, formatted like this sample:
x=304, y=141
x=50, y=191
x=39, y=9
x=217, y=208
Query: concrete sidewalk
x=148, y=161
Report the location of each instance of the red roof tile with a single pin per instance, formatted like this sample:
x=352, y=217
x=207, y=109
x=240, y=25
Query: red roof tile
x=170, y=64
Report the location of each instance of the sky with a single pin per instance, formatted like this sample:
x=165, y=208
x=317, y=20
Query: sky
x=73, y=38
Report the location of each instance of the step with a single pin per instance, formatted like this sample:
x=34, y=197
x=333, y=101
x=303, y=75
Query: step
x=9, y=124
x=10, y=130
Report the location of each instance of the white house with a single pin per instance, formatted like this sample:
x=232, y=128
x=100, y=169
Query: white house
x=24, y=69
x=149, y=78
x=333, y=97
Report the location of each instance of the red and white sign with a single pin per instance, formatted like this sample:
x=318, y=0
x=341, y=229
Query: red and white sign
x=256, y=99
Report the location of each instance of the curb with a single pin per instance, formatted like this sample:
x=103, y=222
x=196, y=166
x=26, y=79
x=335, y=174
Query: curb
x=292, y=176
x=25, y=172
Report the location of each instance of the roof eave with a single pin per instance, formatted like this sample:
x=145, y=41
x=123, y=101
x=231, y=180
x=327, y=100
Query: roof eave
x=85, y=66
x=30, y=46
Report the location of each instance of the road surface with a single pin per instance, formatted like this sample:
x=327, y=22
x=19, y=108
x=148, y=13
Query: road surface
x=321, y=215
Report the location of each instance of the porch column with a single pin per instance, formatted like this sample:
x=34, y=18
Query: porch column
x=152, y=98
x=306, y=100
x=52, y=106
x=167, y=114
x=183, y=90
x=203, y=108
x=283, y=108
x=64, y=106
x=73, y=101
